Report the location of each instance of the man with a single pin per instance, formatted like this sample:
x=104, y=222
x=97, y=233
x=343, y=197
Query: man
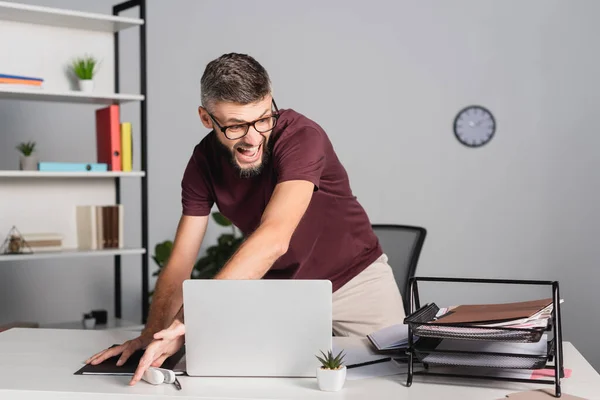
x=275, y=174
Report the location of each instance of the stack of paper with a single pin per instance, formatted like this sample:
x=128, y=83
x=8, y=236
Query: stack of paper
x=390, y=338
x=474, y=353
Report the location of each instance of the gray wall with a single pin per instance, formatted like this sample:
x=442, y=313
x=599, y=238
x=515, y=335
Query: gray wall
x=385, y=79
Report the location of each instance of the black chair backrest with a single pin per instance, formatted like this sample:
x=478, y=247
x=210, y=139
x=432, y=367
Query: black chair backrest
x=402, y=244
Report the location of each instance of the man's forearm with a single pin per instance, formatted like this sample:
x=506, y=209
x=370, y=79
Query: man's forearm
x=166, y=302
x=255, y=256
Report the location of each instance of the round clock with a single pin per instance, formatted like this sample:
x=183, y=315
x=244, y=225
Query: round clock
x=474, y=126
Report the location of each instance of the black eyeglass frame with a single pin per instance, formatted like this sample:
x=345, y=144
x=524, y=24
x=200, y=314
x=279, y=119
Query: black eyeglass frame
x=223, y=129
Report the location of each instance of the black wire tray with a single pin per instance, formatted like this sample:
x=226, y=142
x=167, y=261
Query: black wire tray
x=422, y=324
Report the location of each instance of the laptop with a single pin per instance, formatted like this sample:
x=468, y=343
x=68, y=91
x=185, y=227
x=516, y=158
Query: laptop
x=271, y=328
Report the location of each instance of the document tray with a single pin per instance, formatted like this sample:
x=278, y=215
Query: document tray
x=423, y=325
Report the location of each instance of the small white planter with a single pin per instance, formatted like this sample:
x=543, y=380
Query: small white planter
x=331, y=380
x=89, y=323
x=86, y=85
x=28, y=163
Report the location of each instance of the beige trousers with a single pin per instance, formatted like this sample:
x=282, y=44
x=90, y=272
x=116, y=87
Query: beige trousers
x=369, y=302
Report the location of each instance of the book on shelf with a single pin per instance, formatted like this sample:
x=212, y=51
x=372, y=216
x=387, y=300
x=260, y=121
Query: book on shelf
x=43, y=241
x=100, y=227
x=19, y=81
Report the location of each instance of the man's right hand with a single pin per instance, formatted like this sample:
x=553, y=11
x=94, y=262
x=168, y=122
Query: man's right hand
x=126, y=350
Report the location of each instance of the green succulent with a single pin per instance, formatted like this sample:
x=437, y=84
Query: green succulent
x=26, y=148
x=85, y=67
x=330, y=362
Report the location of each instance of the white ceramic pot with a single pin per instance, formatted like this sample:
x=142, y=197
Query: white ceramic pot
x=89, y=323
x=331, y=380
x=28, y=163
x=86, y=85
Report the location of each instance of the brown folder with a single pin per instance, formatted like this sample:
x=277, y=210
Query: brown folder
x=479, y=313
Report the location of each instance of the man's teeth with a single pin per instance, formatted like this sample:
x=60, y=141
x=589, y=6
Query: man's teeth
x=250, y=150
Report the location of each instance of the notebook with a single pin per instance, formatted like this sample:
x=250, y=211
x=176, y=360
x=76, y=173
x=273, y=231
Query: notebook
x=390, y=338
x=109, y=366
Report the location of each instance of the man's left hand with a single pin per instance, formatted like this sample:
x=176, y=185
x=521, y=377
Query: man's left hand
x=166, y=343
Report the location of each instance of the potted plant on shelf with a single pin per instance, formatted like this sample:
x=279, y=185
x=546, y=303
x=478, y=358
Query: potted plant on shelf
x=331, y=375
x=28, y=159
x=84, y=69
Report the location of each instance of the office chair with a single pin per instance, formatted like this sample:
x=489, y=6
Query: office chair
x=402, y=244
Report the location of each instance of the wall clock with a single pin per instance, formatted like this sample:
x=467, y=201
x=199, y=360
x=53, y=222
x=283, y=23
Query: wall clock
x=474, y=126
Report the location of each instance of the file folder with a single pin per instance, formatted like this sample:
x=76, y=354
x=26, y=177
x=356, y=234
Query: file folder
x=108, y=137
x=126, y=147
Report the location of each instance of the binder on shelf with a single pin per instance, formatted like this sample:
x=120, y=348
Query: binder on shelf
x=47, y=166
x=108, y=137
x=126, y=147
x=508, y=336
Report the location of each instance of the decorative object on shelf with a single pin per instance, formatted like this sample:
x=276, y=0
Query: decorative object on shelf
x=331, y=375
x=85, y=69
x=28, y=160
x=209, y=265
x=474, y=126
x=14, y=243
x=89, y=322
x=101, y=316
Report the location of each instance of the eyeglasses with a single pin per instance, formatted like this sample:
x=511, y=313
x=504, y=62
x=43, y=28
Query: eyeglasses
x=262, y=125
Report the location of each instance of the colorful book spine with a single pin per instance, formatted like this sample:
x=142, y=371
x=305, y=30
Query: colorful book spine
x=20, y=82
x=19, y=77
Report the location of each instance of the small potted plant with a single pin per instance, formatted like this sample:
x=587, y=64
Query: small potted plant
x=331, y=375
x=84, y=69
x=28, y=160
x=89, y=321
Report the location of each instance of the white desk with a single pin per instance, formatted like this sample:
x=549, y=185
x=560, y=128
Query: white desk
x=39, y=363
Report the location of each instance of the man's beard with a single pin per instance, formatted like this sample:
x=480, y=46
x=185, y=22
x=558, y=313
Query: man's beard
x=252, y=171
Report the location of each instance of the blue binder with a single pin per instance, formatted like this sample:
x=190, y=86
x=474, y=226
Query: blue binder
x=72, y=167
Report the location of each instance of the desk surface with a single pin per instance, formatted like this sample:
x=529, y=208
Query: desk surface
x=39, y=363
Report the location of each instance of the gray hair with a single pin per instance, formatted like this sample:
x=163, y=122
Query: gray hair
x=236, y=78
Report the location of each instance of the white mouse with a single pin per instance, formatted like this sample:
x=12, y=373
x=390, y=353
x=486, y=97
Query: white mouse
x=153, y=376
x=167, y=373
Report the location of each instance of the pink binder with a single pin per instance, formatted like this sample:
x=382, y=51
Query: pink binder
x=108, y=137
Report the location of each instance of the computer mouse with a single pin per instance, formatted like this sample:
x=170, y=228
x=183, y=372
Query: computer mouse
x=167, y=373
x=153, y=376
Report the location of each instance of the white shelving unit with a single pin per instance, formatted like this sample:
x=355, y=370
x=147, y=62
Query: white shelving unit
x=69, y=96
x=32, y=14
x=66, y=253
x=42, y=42
x=84, y=175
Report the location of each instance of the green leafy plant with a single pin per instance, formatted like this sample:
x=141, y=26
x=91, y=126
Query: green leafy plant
x=207, y=266
x=84, y=67
x=27, y=148
x=328, y=361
